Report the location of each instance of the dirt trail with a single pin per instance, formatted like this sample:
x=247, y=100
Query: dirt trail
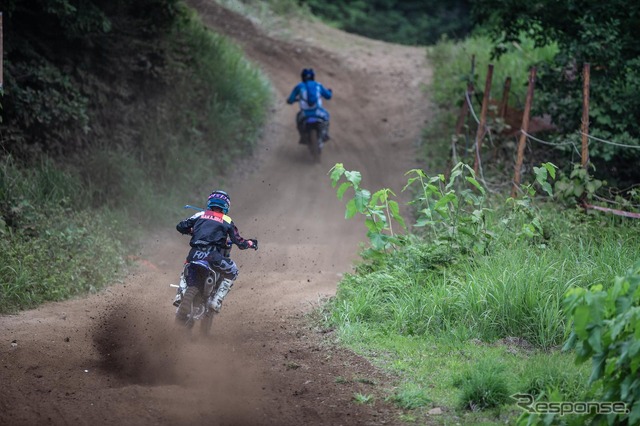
x=115, y=358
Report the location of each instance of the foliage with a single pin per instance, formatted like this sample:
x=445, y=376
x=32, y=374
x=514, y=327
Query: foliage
x=64, y=59
x=405, y=22
x=579, y=186
x=410, y=396
x=49, y=248
x=126, y=146
x=378, y=208
x=452, y=63
x=586, y=31
x=510, y=292
x=454, y=213
x=482, y=386
x=606, y=331
x=361, y=398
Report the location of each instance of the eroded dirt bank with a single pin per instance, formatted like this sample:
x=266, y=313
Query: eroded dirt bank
x=115, y=358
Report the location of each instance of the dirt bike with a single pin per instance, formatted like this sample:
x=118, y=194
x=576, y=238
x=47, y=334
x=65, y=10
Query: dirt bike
x=314, y=135
x=193, y=302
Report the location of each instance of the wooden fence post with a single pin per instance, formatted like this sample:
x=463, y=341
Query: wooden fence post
x=483, y=117
x=585, y=115
x=505, y=97
x=464, y=111
x=523, y=130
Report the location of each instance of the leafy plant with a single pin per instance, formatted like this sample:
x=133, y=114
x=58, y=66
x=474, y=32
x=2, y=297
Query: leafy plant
x=454, y=210
x=606, y=331
x=524, y=206
x=378, y=208
x=580, y=185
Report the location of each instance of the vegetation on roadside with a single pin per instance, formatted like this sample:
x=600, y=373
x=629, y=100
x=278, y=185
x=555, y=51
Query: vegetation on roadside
x=493, y=309
x=406, y=22
x=147, y=93
x=469, y=311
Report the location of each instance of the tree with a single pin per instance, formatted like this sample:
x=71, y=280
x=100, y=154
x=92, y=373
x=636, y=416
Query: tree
x=399, y=21
x=604, y=34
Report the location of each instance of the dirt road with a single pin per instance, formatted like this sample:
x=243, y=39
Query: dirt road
x=115, y=358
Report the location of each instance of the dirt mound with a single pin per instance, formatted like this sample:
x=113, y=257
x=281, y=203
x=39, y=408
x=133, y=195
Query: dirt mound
x=115, y=357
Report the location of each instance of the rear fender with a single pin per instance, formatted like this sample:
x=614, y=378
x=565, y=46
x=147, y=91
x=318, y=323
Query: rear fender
x=202, y=267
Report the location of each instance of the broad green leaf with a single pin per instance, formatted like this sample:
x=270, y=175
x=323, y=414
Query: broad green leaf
x=581, y=319
x=595, y=339
x=597, y=367
x=551, y=168
x=475, y=183
x=377, y=240
x=394, y=208
x=354, y=177
x=336, y=171
x=351, y=209
x=634, y=415
x=362, y=199
x=546, y=187
x=342, y=189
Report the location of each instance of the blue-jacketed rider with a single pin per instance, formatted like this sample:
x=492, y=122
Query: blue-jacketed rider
x=210, y=232
x=309, y=93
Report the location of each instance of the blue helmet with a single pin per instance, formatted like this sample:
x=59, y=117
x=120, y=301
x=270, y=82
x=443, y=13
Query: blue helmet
x=307, y=74
x=219, y=199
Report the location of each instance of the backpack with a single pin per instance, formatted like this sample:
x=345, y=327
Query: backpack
x=312, y=94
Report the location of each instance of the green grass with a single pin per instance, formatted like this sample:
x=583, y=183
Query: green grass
x=452, y=63
x=66, y=226
x=460, y=374
x=467, y=332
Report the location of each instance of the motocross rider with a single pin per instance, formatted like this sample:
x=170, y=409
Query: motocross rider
x=210, y=232
x=309, y=93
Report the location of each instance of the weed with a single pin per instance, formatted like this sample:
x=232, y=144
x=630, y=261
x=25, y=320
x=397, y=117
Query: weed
x=363, y=399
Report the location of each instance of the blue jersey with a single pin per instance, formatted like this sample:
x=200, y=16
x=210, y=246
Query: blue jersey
x=309, y=95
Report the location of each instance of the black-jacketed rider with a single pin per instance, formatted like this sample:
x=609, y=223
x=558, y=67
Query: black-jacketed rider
x=211, y=232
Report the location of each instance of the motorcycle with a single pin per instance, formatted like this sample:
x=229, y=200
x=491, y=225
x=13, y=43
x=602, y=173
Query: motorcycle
x=193, y=302
x=314, y=135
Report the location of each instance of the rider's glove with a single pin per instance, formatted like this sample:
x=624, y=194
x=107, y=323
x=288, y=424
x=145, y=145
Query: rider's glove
x=252, y=243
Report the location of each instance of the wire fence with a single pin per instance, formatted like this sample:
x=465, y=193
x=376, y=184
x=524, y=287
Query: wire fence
x=527, y=139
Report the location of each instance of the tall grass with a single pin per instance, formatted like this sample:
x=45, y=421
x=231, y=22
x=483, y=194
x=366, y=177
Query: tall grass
x=452, y=70
x=66, y=228
x=452, y=63
x=515, y=291
x=51, y=246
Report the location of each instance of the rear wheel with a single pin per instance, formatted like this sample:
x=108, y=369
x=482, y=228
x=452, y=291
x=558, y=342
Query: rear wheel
x=184, y=314
x=314, y=143
x=205, y=323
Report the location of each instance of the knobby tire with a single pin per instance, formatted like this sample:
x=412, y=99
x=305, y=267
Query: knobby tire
x=314, y=147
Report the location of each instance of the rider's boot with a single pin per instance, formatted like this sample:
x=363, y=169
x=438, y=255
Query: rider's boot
x=224, y=288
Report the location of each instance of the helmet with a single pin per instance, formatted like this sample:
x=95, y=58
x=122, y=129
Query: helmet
x=219, y=199
x=307, y=74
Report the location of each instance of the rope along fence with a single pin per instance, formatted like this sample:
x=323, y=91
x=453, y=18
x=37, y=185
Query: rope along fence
x=523, y=134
